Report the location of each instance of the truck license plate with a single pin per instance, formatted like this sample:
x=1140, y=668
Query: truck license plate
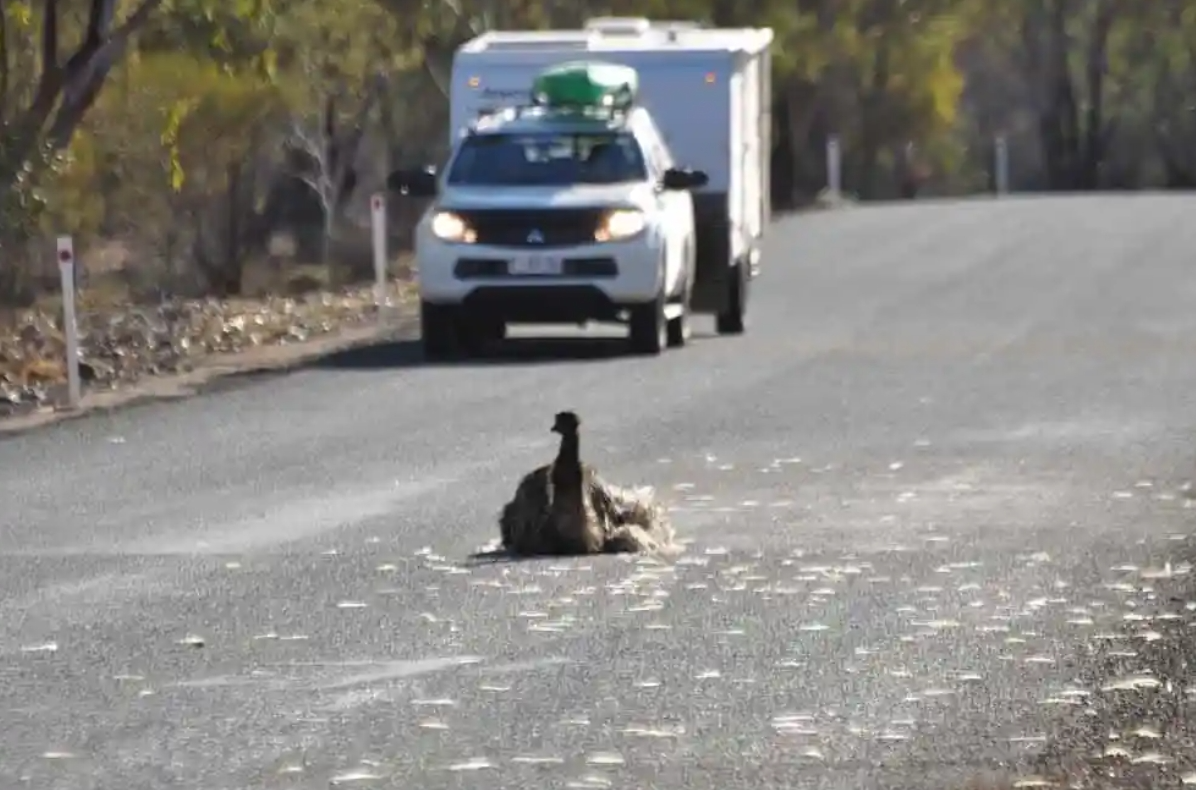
x=538, y=265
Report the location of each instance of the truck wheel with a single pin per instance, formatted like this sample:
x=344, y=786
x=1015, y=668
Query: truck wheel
x=649, y=330
x=475, y=333
x=732, y=321
x=679, y=328
x=438, y=330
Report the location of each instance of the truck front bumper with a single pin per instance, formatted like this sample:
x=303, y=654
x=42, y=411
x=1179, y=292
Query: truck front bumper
x=596, y=281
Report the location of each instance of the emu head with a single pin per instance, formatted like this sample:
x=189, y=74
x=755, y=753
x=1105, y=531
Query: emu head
x=566, y=423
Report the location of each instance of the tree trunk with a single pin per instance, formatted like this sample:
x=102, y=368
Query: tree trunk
x=73, y=86
x=873, y=122
x=783, y=159
x=1045, y=40
x=1095, y=131
x=233, y=270
x=799, y=108
x=326, y=244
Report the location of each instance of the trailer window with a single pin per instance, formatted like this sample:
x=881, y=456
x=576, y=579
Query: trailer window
x=547, y=159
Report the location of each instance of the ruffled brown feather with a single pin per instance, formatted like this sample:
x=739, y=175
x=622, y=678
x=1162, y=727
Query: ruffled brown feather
x=524, y=519
x=541, y=520
x=633, y=520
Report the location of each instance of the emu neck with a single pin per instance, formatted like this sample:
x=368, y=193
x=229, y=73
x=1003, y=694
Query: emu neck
x=568, y=459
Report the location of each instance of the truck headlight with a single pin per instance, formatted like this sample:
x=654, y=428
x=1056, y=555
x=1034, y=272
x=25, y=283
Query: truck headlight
x=620, y=224
x=447, y=226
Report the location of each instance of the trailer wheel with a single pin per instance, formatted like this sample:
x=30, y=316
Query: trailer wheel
x=733, y=320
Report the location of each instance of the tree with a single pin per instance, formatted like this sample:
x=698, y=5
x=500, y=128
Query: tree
x=40, y=121
x=69, y=80
x=51, y=76
x=324, y=152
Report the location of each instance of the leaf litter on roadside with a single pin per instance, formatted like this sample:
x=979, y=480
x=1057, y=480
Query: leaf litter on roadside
x=119, y=346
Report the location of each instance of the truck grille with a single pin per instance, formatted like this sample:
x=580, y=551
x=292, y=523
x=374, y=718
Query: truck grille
x=482, y=268
x=554, y=227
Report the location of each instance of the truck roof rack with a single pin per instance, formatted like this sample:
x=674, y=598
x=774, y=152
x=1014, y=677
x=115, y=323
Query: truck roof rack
x=588, y=89
x=514, y=112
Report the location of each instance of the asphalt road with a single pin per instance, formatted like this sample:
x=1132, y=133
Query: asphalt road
x=934, y=503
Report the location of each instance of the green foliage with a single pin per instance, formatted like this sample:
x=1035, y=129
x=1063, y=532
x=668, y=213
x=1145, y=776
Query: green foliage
x=211, y=88
x=175, y=123
x=73, y=203
x=225, y=31
x=321, y=42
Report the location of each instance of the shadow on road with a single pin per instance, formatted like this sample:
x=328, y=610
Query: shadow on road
x=503, y=557
x=490, y=557
x=408, y=353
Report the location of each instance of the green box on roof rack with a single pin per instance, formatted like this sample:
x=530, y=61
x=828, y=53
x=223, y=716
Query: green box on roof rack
x=586, y=84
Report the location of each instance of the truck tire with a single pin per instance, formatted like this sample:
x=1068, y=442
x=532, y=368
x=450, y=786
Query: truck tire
x=438, y=330
x=679, y=328
x=497, y=330
x=648, y=331
x=732, y=321
x=474, y=334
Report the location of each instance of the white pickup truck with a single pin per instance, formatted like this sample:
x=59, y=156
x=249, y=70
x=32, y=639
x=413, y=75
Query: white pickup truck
x=615, y=173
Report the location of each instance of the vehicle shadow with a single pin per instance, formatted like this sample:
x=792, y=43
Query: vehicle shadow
x=500, y=556
x=408, y=353
x=491, y=557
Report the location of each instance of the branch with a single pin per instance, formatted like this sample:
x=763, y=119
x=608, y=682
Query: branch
x=103, y=45
x=88, y=68
x=73, y=108
x=50, y=82
x=5, y=65
x=49, y=36
x=313, y=144
x=435, y=52
x=475, y=26
x=1032, y=47
x=441, y=80
x=103, y=12
x=317, y=186
x=65, y=92
x=346, y=150
x=328, y=121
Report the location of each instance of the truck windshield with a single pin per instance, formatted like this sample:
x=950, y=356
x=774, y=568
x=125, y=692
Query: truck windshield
x=547, y=159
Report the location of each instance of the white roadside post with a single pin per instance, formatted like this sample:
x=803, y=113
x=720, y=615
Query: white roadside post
x=378, y=226
x=70, y=328
x=1001, y=164
x=834, y=167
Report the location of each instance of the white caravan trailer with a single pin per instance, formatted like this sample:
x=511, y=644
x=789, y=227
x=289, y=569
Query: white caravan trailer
x=708, y=91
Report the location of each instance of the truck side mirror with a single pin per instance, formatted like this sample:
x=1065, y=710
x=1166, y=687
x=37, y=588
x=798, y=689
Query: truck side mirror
x=680, y=179
x=414, y=183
